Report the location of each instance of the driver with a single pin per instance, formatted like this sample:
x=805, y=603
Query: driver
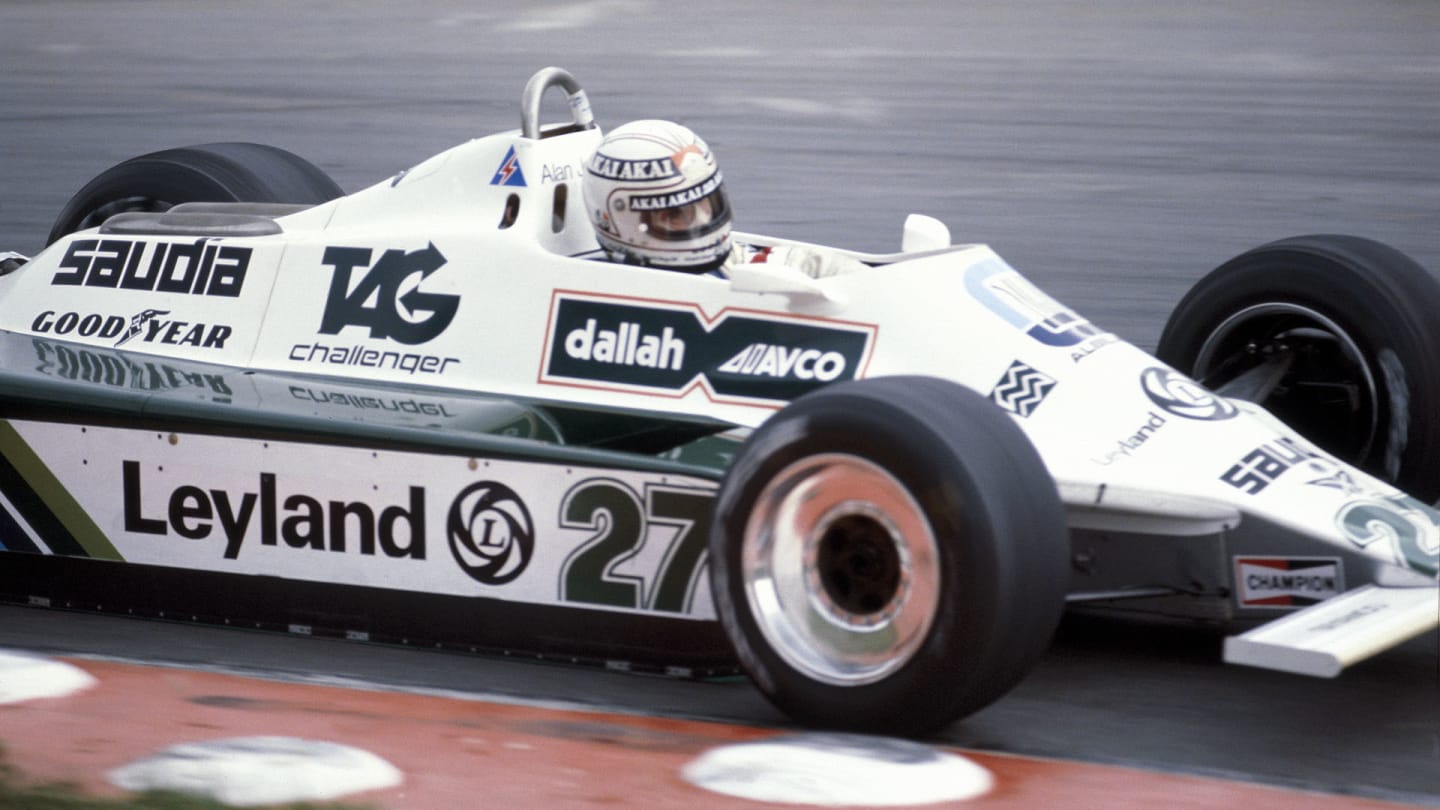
x=656, y=198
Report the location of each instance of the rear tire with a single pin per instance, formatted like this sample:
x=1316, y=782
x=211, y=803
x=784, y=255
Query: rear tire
x=214, y=172
x=1355, y=321
x=888, y=555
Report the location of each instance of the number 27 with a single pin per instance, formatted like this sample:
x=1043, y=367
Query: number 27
x=620, y=520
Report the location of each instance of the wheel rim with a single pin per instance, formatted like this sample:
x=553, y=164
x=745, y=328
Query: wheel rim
x=1329, y=393
x=841, y=569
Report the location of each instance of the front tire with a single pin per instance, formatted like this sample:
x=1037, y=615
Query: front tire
x=1340, y=334
x=214, y=172
x=888, y=555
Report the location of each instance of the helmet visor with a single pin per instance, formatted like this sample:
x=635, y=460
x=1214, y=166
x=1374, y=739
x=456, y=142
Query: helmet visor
x=677, y=217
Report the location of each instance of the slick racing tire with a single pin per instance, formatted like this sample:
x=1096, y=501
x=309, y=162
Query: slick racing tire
x=888, y=555
x=213, y=172
x=1340, y=333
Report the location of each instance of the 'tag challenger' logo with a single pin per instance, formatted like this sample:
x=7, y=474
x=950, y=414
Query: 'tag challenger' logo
x=410, y=316
x=388, y=302
x=666, y=347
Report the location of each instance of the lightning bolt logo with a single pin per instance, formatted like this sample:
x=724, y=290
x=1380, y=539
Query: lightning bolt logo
x=509, y=173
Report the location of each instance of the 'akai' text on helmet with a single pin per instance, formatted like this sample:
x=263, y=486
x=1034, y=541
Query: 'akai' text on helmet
x=656, y=197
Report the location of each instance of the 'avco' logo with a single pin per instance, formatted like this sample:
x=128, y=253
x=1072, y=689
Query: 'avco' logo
x=1184, y=397
x=411, y=317
x=491, y=534
x=670, y=348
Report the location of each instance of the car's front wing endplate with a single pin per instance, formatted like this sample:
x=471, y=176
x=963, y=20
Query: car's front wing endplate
x=1324, y=639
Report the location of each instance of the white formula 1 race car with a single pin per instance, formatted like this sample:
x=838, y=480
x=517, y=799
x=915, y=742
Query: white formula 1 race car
x=426, y=412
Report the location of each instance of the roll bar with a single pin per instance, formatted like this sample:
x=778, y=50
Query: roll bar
x=543, y=80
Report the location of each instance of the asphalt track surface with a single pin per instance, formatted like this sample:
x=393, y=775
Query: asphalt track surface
x=1113, y=151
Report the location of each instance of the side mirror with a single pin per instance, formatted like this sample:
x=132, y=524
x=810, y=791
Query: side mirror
x=924, y=233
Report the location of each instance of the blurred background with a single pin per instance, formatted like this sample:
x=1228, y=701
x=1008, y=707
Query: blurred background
x=1111, y=150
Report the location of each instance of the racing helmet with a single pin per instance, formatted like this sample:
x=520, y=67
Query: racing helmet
x=656, y=198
